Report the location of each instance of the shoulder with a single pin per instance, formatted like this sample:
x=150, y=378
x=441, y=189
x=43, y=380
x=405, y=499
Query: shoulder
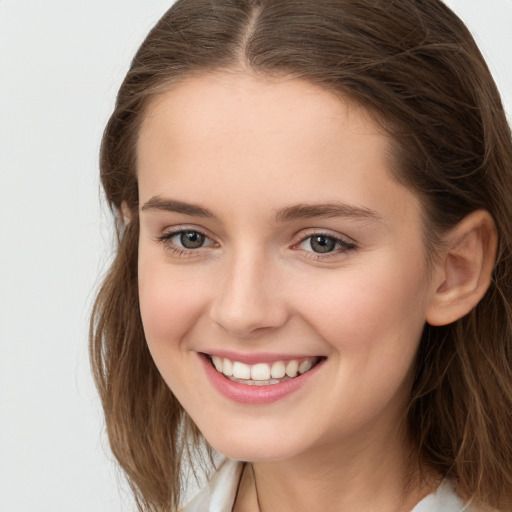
x=220, y=492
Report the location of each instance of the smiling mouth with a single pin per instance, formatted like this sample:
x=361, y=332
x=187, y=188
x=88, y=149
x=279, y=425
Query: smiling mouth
x=263, y=374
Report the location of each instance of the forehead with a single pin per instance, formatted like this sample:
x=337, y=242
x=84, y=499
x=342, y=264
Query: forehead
x=227, y=88
x=244, y=137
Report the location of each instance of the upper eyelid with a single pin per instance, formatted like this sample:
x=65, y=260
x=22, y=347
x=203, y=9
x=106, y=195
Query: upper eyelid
x=347, y=244
x=307, y=233
x=168, y=233
x=174, y=230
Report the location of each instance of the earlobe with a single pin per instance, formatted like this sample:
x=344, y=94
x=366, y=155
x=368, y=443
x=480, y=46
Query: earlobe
x=464, y=270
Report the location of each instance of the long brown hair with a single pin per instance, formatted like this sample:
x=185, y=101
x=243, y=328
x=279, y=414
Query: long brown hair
x=414, y=65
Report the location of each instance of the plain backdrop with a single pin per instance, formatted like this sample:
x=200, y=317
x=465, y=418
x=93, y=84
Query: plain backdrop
x=61, y=63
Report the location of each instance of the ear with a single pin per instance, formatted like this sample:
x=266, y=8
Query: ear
x=464, y=269
x=125, y=213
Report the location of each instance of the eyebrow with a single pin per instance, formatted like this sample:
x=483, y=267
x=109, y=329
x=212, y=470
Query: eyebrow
x=307, y=211
x=158, y=203
x=286, y=214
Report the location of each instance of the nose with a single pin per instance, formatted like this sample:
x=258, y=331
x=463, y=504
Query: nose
x=249, y=301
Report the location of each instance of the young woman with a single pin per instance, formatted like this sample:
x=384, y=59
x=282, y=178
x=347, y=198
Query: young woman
x=313, y=204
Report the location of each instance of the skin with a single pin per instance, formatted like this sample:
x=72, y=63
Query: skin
x=244, y=148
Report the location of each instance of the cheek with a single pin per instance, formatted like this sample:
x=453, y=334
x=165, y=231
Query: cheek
x=170, y=305
x=372, y=323
x=169, y=302
x=378, y=310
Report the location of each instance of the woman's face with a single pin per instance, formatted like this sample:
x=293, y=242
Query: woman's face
x=274, y=238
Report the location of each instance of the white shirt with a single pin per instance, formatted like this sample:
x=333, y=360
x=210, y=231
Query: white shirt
x=220, y=493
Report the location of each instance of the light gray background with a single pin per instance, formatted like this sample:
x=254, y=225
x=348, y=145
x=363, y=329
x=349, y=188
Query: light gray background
x=61, y=62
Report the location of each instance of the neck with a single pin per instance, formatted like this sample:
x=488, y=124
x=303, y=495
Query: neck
x=378, y=476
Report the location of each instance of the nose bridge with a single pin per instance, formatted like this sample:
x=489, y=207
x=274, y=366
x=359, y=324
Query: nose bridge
x=248, y=300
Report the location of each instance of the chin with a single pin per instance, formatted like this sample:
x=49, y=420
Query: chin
x=254, y=448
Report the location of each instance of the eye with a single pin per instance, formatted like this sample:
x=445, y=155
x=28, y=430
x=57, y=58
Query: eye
x=184, y=241
x=319, y=244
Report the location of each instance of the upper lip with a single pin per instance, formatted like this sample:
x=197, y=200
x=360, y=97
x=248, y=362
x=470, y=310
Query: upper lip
x=257, y=357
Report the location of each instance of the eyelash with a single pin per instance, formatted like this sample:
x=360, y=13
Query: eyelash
x=344, y=245
x=177, y=250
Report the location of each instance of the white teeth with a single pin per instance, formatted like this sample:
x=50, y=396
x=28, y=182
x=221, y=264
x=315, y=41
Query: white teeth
x=217, y=362
x=227, y=367
x=292, y=368
x=305, y=366
x=278, y=370
x=241, y=370
x=263, y=373
x=260, y=371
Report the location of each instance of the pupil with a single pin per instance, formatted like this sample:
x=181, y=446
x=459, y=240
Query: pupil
x=191, y=239
x=322, y=244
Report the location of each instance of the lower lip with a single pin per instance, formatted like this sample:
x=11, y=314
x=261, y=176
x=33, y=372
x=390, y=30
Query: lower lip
x=243, y=393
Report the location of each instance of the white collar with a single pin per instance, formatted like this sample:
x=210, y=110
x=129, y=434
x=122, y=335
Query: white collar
x=220, y=493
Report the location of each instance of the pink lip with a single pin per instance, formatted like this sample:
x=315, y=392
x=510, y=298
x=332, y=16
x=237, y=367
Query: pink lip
x=260, y=357
x=253, y=395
